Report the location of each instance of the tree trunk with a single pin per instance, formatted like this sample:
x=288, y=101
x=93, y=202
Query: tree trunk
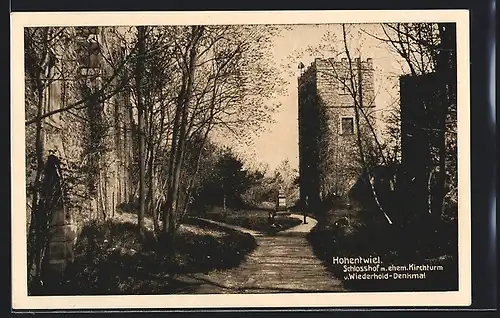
x=191, y=182
x=140, y=120
x=171, y=166
x=172, y=157
x=446, y=74
x=358, y=105
x=35, y=257
x=200, y=153
x=177, y=151
x=151, y=190
x=131, y=145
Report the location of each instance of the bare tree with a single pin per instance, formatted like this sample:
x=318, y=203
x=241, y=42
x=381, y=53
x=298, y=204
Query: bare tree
x=355, y=88
x=179, y=84
x=139, y=69
x=188, y=64
x=221, y=86
x=429, y=49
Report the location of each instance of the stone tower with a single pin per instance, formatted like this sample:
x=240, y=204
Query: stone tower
x=329, y=90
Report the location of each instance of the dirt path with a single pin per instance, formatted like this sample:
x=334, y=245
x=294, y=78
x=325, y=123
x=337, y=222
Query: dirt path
x=284, y=262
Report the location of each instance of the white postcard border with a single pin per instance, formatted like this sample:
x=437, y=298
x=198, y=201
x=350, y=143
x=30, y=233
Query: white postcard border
x=20, y=298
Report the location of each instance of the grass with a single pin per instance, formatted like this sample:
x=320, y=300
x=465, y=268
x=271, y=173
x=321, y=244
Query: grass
x=110, y=259
x=256, y=220
x=361, y=233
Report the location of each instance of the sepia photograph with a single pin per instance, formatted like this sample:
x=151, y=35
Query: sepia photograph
x=223, y=156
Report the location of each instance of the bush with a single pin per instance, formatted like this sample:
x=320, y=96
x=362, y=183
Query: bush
x=111, y=259
x=352, y=237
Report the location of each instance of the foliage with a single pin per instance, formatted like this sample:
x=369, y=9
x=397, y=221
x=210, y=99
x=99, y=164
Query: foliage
x=256, y=220
x=429, y=50
x=94, y=116
x=358, y=234
x=227, y=182
x=130, y=112
x=266, y=184
x=110, y=259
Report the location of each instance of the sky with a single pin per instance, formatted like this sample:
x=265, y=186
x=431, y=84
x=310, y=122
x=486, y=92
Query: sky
x=279, y=141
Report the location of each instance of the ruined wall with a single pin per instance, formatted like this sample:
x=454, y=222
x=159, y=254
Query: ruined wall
x=70, y=136
x=62, y=228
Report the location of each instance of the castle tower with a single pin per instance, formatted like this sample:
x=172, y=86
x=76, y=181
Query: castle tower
x=329, y=90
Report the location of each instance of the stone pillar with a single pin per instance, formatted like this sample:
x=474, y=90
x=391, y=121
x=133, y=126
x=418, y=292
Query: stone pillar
x=62, y=232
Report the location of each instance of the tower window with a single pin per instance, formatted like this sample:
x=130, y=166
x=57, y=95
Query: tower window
x=342, y=86
x=347, y=125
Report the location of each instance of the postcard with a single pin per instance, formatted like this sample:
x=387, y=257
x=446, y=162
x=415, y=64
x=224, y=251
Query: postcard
x=218, y=160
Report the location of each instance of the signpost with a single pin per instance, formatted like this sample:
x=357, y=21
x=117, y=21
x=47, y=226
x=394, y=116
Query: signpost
x=281, y=201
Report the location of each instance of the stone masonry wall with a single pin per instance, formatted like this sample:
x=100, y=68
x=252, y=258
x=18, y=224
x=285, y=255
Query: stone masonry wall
x=63, y=137
x=340, y=161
